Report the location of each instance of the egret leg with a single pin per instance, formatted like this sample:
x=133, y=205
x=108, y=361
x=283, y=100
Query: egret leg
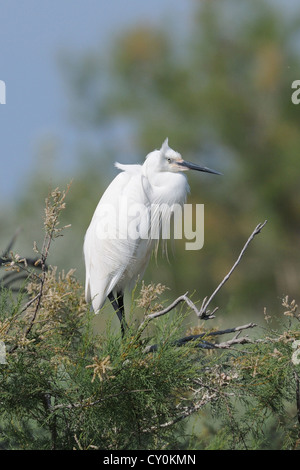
x=118, y=306
x=120, y=300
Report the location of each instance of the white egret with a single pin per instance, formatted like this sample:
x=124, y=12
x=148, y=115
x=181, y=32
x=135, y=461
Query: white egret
x=118, y=242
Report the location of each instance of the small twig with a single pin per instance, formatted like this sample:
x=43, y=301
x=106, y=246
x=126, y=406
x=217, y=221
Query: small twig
x=297, y=395
x=207, y=344
x=185, y=413
x=237, y=329
x=46, y=399
x=206, y=303
x=203, y=313
x=48, y=238
x=11, y=243
x=31, y=301
x=181, y=298
x=51, y=231
x=87, y=403
x=14, y=277
x=10, y=278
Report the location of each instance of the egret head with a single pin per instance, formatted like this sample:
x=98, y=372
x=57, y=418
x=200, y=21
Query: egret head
x=173, y=162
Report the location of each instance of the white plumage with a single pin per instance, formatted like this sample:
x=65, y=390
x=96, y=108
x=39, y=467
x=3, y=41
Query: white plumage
x=118, y=242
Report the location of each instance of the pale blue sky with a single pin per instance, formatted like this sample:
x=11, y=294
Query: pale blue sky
x=32, y=33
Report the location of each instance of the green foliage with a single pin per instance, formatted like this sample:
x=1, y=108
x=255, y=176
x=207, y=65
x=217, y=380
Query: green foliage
x=78, y=390
x=223, y=96
x=63, y=386
x=259, y=408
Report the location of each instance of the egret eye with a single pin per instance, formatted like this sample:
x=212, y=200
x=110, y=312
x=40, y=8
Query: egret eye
x=169, y=160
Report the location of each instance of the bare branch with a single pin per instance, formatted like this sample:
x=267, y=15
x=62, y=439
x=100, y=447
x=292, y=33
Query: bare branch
x=205, y=304
x=54, y=205
x=185, y=412
x=237, y=329
x=88, y=403
x=200, y=341
x=11, y=243
x=182, y=298
x=31, y=301
x=7, y=260
x=174, y=304
x=203, y=313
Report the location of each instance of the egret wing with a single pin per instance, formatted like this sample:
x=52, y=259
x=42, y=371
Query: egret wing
x=117, y=246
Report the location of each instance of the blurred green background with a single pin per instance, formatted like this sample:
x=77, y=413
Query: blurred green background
x=220, y=89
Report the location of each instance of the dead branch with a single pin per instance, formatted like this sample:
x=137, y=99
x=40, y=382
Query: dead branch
x=24, y=271
x=205, y=303
x=182, y=298
x=185, y=412
x=54, y=205
x=89, y=403
x=203, y=313
x=201, y=343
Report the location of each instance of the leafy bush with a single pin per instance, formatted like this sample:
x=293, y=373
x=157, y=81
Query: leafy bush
x=63, y=386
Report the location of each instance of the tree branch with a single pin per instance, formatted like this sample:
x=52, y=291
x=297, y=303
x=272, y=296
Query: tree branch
x=207, y=344
x=203, y=313
x=185, y=412
x=182, y=298
x=205, y=303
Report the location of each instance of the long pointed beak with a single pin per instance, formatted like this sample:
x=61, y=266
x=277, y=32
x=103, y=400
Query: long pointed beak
x=193, y=166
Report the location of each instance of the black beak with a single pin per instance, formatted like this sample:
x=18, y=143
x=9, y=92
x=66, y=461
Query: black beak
x=193, y=166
